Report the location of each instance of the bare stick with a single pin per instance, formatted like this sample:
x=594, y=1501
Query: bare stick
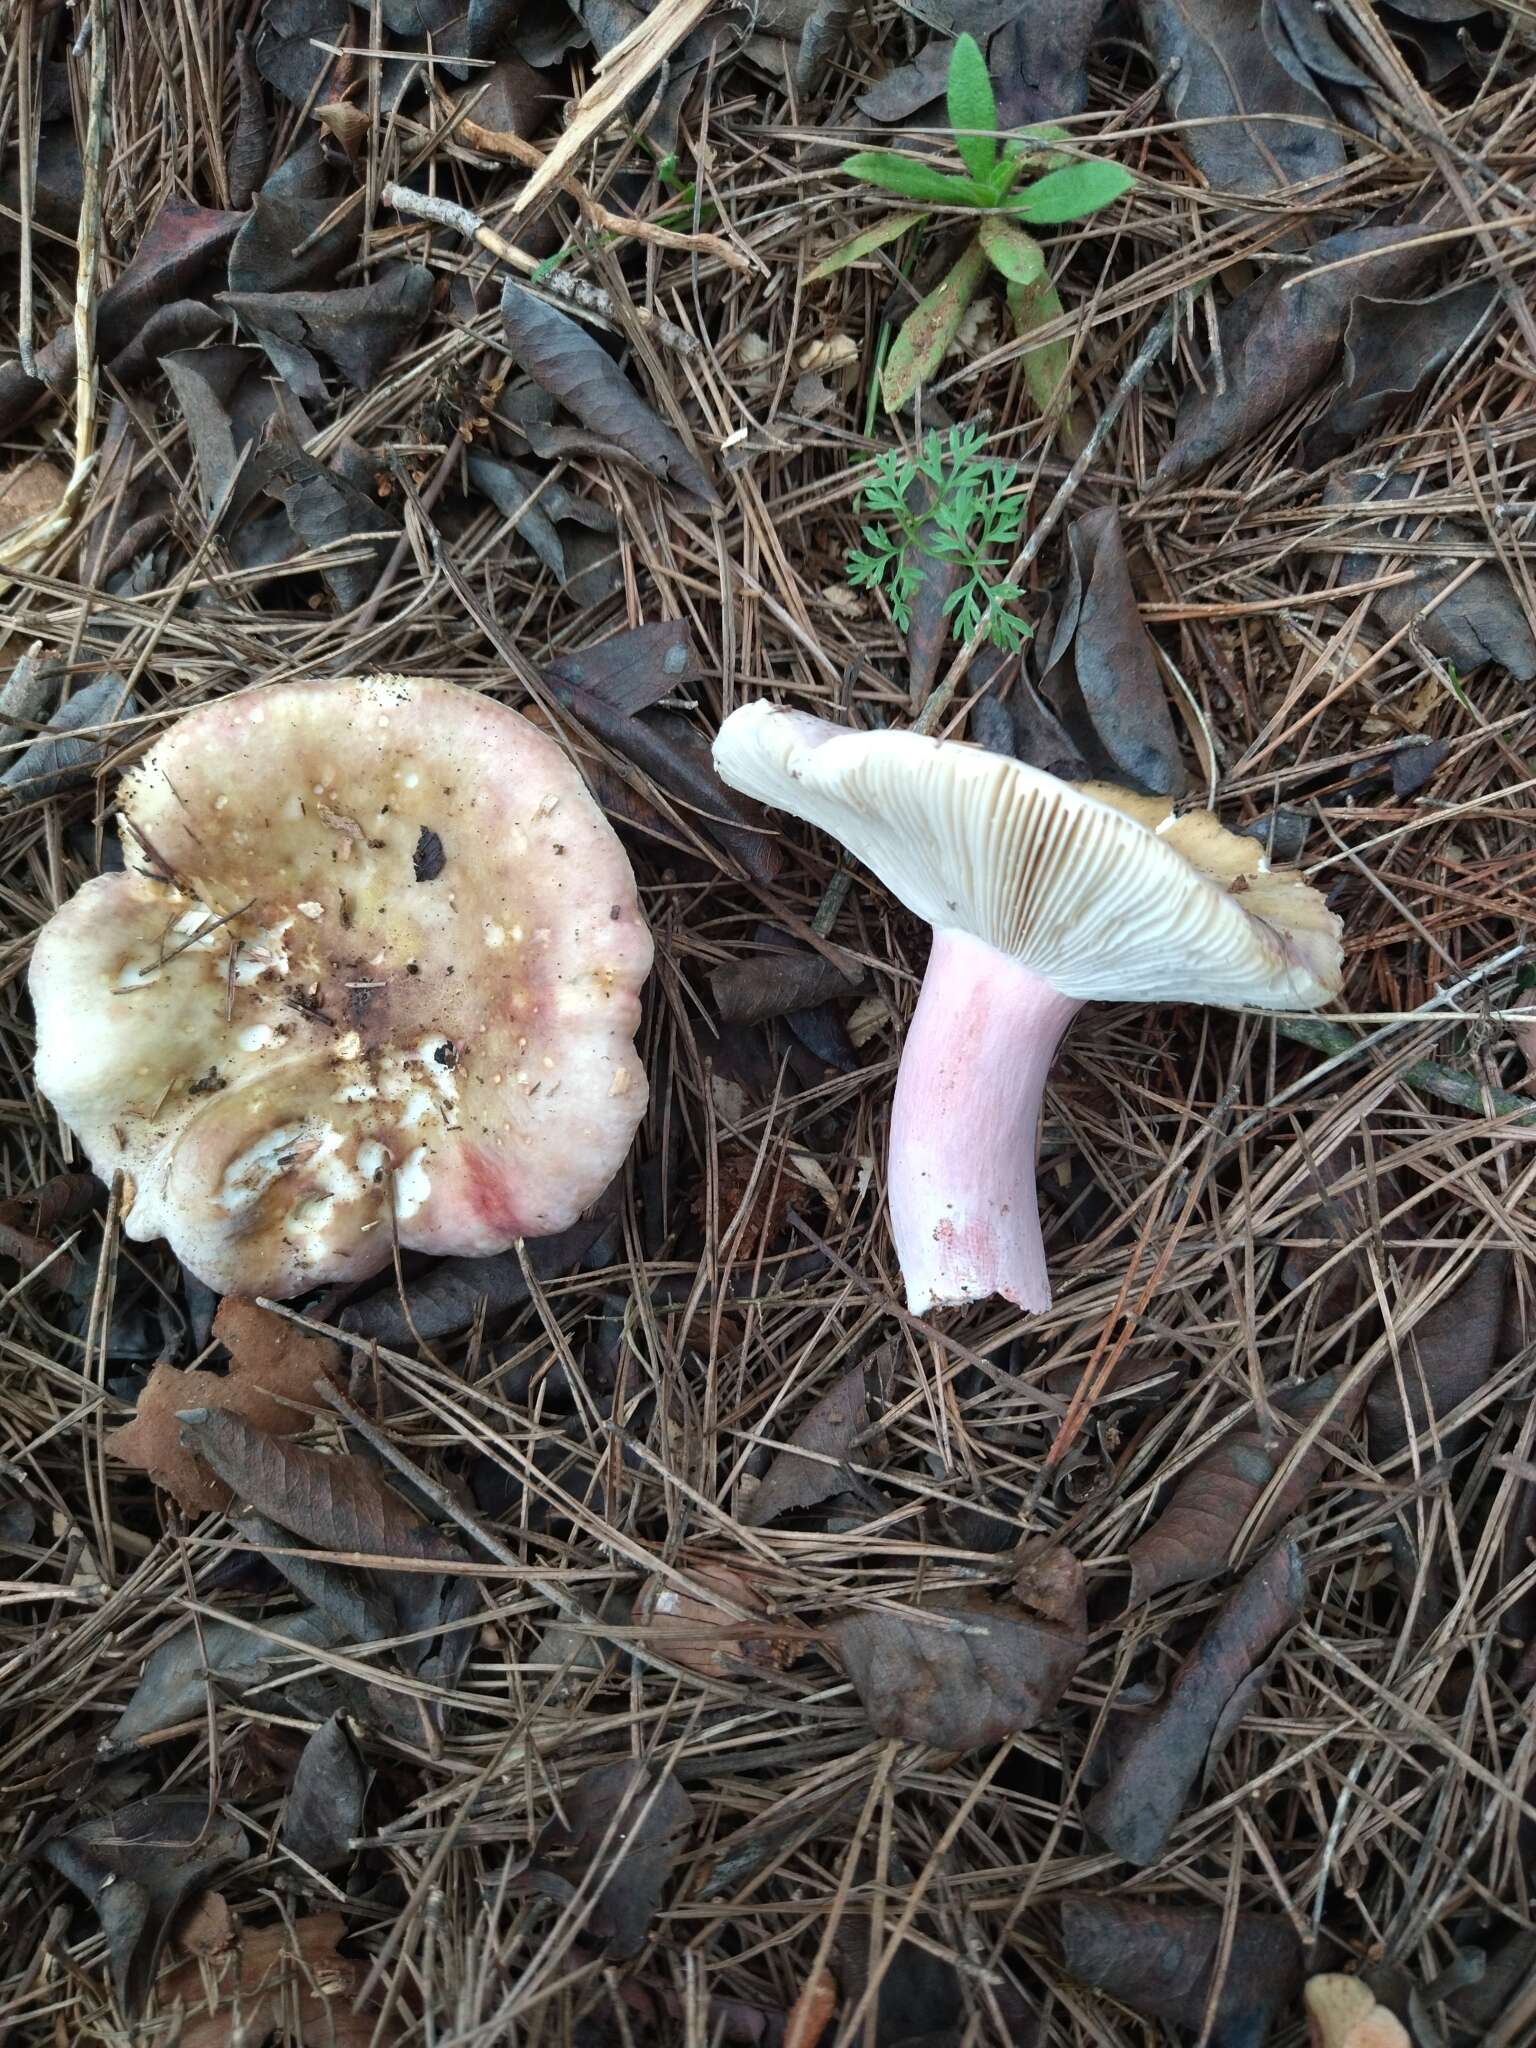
x=583, y=298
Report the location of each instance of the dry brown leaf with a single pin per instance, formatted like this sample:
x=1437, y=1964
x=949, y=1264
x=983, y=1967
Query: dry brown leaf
x=28, y=491
x=705, y=1634
x=273, y=1364
x=275, y=1974
x=207, y=1928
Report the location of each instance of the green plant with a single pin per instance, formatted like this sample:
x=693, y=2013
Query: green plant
x=1068, y=189
x=947, y=504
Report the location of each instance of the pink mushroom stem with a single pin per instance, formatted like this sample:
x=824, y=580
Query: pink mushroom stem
x=964, y=1126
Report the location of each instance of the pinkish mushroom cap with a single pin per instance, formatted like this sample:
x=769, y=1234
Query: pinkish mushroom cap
x=376, y=959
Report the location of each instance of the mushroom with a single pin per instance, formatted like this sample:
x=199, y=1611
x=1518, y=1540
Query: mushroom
x=372, y=974
x=1344, y=2013
x=1042, y=896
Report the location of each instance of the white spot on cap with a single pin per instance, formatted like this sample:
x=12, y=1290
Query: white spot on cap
x=313, y=911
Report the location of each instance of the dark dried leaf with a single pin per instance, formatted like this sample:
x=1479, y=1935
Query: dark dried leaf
x=182, y=324
x=632, y=670
x=919, y=1998
x=338, y=1502
x=1134, y=1811
x=677, y=758
x=325, y=1803
x=356, y=1602
x=1444, y=1360
x=539, y=507
x=1483, y=621
x=1193, y=1536
x=1393, y=349
x=1039, y=61
x=287, y=54
x=1101, y=676
x=1280, y=338
x=449, y=1297
x=360, y=328
x=248, y=152
x=1160, y=1960
x=987, y=1675
x=205, y=381
x=511, y=99
x=802, y=1477
x=909, y=88
x=624, y=1819
x=179, y=246
x=61, y=761
x=578, y=371
x=138, y=1867
x=325, y=509
x=173, y=1686
x=428, y=858
x=1049, y=1581
x=286, y=217
x=180, y=243
x=1226, y=71
x=782, y=978
x=1297, y=32
x=990, y=725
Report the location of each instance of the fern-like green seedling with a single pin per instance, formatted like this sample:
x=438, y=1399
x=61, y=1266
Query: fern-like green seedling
x=946, y=505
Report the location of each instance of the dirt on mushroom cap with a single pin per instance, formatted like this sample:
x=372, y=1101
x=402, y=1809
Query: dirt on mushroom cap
x=290, y=1029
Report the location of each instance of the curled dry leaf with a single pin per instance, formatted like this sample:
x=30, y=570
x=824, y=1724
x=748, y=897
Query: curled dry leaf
x=270, y=1383
x=1161, y=1960
x=288, y=1974
x=1100, y=676
x=1281, y=337
x=630, y=671
x=337, y=1502
x=1039, y=61
x=1192, y=1537
x=623, y=1822
x=1134, y=1811
x=1221, y=70
x=664, y=746
x=812, y=1470
x=971, y=1675
x=782, y=978
x=700, y=1626
x=565, y=360
x=449, y=1296
x=360, y=328
x=173, y=1687
x=180, y=243
x=288, y=215
x=64, y=757
x=1392, y=351
x=1342, y=2012
x=1484, y=620
x=325, y=1802
x=1443, y=1361
x=139, y=1867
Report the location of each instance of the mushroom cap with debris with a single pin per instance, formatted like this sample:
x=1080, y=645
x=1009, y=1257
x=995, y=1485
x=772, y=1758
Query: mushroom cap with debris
x=372, y=974
x=1105, y=895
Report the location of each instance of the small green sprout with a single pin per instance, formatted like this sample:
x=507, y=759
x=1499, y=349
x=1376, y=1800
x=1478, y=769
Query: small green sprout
x=948, y=505
x=1067, y=189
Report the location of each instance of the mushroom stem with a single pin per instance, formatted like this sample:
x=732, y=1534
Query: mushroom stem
x=964, y=1125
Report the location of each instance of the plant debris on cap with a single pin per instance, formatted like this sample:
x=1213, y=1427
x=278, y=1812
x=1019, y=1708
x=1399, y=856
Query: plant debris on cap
x=373, y=970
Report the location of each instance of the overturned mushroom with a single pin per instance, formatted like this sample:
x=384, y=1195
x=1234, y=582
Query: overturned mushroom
x=373, y=971
x=1042, y=896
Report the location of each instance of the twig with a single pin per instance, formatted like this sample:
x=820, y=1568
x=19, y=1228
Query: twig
x=29, y=544
x=1446, y=1084
x=587, y=299
x=503, y=142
